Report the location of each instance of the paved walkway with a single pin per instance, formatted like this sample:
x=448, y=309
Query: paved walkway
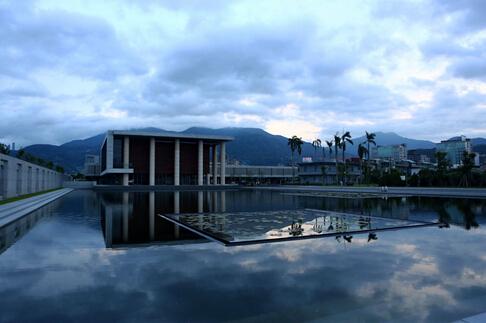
x=416, y=191
x=12, y=211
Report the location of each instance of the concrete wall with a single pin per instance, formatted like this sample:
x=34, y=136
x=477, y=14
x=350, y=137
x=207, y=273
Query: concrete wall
x=18, y=177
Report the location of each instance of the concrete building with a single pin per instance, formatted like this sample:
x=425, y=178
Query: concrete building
x=91, y=166
x=454, y=148
x=422, y=155
x=162, y=158
x=392, y=152
x=18, y=177
x=244, y=174
x=324, y=172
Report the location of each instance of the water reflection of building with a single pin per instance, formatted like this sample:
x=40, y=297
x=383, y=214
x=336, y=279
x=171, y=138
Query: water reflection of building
x=14, y=231
x=130, y=219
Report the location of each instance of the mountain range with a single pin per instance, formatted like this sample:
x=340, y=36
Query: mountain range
x=251, y=146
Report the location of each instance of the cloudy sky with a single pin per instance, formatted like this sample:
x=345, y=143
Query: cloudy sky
x=72, y=69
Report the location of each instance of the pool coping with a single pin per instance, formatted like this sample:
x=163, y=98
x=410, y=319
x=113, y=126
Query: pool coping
x=11, y=212
x=226, y=243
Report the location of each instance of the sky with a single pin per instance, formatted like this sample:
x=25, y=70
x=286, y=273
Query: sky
x=73, y=69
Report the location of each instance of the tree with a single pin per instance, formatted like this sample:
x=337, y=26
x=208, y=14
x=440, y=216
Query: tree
x=345, y=138
x=295, y=143
x=362, y=151
x=4, y=149
x=370, y=139
x=466, y=168
x=50, y=165
x=59, y=169
x=337, y=145
x=442, y=166
x=21, y=154
x=329, y=145
x=316, y=144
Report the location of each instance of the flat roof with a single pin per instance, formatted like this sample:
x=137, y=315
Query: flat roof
x=168, y=134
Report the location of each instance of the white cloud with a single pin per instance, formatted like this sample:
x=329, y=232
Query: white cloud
x=75, y=68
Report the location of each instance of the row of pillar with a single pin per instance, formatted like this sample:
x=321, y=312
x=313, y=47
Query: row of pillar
x=177, y=162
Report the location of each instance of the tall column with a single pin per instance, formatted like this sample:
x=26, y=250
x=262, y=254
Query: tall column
x=109, y=150
x=215, y=164
x=223, y=163
x=125, y=216
x=176, y=211
x=177, y=162
x=152, y=162
x=152, y=215
x=126, y=158
x=200, y=202
x=200, y=162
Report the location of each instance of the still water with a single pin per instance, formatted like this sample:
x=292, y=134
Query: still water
x=109, y=256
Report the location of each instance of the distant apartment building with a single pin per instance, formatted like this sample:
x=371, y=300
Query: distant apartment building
x=91, y=165
x=422, y=155
x=391, y=152
x=455, y=148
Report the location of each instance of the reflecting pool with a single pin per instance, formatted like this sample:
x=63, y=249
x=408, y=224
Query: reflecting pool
x=108, y=256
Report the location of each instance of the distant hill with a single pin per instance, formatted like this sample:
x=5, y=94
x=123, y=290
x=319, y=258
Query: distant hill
x=251, y=146
x=391, y=138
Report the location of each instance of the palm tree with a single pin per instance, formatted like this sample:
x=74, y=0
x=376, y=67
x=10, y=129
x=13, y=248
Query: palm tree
x=337, y=145
x=345, y=138
x=370, y=139
x=316, y=144
x=329, y=145
x=466, y=168
x=295, y=143
x=362, y=151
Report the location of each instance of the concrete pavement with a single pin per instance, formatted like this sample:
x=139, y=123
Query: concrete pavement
x=12, y=211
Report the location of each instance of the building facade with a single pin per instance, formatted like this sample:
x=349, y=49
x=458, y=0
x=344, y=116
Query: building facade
x=19, y=177
x=324, y=173
x=244, y=174
x=455, y=148
x=91, y=165
x=422, y=155
x=391, y=152
x=162, y=158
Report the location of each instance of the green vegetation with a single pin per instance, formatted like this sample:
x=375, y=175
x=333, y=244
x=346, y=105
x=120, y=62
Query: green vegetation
x=22, y=197
x=22, y=154
x=4, y=149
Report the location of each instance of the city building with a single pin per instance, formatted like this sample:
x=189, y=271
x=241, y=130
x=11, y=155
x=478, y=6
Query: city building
x=455, y=148
x=91, y=166
x=422, y=155
x=391, y=152
x=162, y=158
x=324, y=172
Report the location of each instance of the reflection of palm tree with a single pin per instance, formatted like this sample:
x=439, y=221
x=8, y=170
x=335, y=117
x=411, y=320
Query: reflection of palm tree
x=372, y=236
x=468, y=215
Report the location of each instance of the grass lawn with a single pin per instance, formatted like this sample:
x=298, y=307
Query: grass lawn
x=21, y=197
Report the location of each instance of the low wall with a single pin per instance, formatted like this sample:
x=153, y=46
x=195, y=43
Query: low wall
x=18, y=177
x=79, y=184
